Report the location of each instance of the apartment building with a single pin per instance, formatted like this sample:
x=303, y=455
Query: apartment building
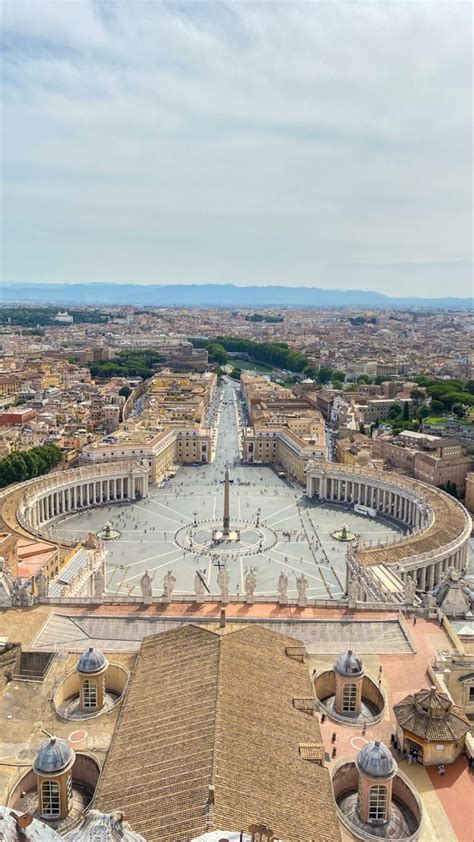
x=428, y=458
x=286, y=430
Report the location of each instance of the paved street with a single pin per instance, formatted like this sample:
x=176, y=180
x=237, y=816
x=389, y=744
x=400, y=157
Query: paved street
x=295, y=532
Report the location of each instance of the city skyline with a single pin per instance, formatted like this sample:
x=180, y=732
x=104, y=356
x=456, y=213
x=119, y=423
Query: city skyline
x=243, y=144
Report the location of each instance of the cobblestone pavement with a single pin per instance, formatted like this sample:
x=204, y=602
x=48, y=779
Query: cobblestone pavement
x=152, y=530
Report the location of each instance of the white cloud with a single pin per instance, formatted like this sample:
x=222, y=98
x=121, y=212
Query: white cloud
x=248, y=142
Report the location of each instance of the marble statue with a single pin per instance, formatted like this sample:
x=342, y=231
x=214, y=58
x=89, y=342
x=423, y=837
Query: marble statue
x=409, y=590
x=353, y=589
x=41, y=585
x=429, y=601
x=302, y=587
x=283, y=587
x=250, y=584
x=169, y=582
x=6, y=586
x=452, y=595
x=92, y=541
x=145, y=585
x=26, y=595
x=99, y=582
x=199, y=588
x=223, y=582
x=360, y=543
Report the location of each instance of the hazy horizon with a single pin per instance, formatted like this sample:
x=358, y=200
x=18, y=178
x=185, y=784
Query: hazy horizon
x=228, y=284
x=311, y=144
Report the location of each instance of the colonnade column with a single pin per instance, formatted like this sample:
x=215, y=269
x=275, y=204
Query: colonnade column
x=431, y=577
x=423, y=578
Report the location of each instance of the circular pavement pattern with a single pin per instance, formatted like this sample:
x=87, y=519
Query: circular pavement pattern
x=293, y=535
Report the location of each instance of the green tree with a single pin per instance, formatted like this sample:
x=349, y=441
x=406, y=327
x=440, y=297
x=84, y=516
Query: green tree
x=217, y=354
x=395, y=410
x=125, y=391
x=24, y=465
x=406, y=411
x=459, y=410
x=324, y=375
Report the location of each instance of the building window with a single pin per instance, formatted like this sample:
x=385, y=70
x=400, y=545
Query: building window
x=349, y=694
x=50, y=798
x=471, y=694
x=89, y=693
x=377, y=803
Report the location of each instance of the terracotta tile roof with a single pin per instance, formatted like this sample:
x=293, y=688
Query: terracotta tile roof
x=432, y=716
x=208, y=737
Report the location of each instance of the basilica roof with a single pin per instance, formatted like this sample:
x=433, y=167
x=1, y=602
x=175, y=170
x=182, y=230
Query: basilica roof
x=209, y=737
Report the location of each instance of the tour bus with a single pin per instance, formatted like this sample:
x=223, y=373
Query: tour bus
x=364, y=510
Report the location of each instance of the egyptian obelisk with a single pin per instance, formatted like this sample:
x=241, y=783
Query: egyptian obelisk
x=225, y=529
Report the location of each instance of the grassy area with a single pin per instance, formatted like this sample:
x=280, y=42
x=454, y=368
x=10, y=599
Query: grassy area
x=441, y=419
x=237, y=362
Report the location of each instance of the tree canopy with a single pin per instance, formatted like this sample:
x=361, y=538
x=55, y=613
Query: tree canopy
x=27, y=464
x=128, y=363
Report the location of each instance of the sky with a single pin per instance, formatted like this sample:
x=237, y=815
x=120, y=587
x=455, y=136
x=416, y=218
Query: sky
x=321, y=144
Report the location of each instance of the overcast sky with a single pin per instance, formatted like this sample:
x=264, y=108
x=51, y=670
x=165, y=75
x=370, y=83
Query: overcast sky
x=318, y=143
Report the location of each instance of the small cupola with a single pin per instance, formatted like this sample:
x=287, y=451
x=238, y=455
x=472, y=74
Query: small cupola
x=349, y=673
x=91, y=668
x=376, y=768
x=53, y=768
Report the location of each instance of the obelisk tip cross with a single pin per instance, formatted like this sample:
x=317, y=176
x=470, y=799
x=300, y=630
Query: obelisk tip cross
x=226, y=522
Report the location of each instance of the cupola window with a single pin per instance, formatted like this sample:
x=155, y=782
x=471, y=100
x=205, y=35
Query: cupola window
x=349, y=696
x=50, y=799
x=89, y=693
x=377, y=803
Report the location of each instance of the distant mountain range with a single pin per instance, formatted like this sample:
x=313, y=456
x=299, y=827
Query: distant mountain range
x=215, y=295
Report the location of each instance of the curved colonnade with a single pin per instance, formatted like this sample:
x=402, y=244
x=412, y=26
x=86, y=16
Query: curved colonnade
x=67, y=492
x=439, y=526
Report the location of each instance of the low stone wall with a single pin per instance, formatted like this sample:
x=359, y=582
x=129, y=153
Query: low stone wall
x=345, y=778
x=325, y=685
x=116, y=680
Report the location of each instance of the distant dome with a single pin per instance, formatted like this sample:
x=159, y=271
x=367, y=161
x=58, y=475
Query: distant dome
x=53, y=756
x=384, y=332
x=348, y=664
x=91, y=661
x=375, y=760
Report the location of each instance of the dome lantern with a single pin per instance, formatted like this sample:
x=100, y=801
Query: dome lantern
x=91, y=668
x=53, y=768
x=349, y=673
x=377, y=769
